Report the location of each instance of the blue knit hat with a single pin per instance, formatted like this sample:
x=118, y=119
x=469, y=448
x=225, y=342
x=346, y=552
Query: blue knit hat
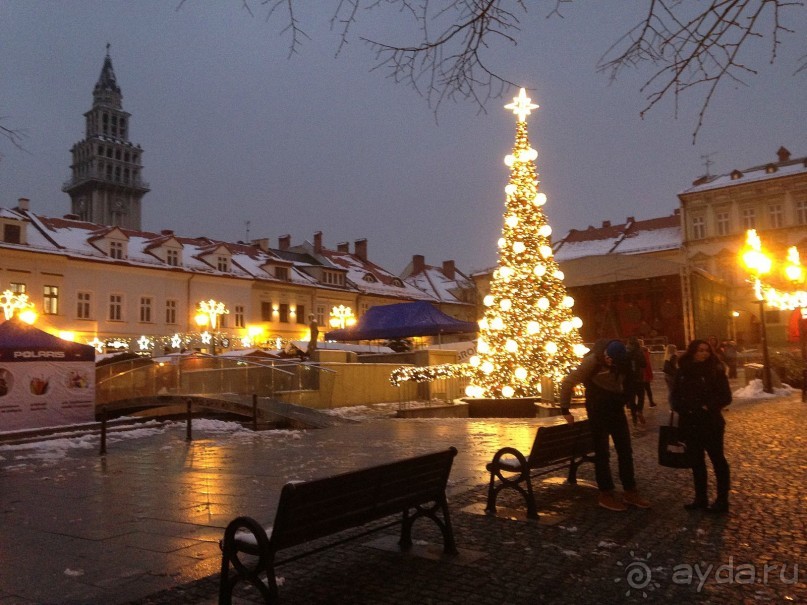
x=616, y=350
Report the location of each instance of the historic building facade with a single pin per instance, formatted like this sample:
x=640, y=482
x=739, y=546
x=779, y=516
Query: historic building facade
x=716, y=212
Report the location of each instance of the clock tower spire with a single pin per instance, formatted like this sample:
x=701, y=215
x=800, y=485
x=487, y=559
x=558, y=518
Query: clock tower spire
x=106, y=186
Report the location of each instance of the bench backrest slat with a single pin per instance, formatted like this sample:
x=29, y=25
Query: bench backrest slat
x=560, y=442
x=314, y=509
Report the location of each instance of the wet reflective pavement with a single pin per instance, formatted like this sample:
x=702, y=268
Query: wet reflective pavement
x=141, y=524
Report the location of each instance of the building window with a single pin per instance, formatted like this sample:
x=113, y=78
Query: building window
x=801, y=212
x=698, y=227
x=301, y=319
x=145, y=309
x=222, y=263
x=749, y=218
x=321, y=315
x=12, y=234
x=170, y=311
x=83, y=305
x=266, y=311
x=776, y=216
x=50, y=301
x=17, y=287
x=239, y=316
x=722, y=222
x=116, y=250
x=283, y=313
x=172, y=257
x=363, y=309
x=115, y=307
x=282, y=273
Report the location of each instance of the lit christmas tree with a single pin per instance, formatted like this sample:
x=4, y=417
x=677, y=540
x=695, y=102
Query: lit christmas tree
x=528, y=332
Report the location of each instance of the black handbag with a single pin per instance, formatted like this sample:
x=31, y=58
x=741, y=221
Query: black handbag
x=672, y=451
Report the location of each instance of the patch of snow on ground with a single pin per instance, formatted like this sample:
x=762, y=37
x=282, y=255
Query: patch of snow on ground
x=755, y=390
x=366, y=412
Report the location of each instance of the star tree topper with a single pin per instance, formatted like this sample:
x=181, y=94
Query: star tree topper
x=522, y=105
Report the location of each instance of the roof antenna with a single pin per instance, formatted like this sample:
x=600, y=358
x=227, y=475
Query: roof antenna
x=706, y=157
x=246, y=224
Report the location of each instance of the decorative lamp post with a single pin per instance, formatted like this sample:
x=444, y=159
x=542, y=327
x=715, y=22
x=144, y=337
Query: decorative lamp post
x=17, y=303
x=759, y=265
x=342, y=317
x=208, y=313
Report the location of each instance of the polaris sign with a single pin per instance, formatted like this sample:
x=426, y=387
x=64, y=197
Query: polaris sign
x=39, y=355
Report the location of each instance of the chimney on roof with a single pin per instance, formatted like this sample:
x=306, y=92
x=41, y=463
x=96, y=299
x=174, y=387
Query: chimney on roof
x=360, y=248
x=71, y=217
x=448, y=269
x=343, y=247
x=631, y=219
x=606, y=224
x=784, y=154
x=261, y=243
x=418, y=264
x=284, y=242
x=318, y=242
x=23, y=203
x=677, y=211
x=167, y=232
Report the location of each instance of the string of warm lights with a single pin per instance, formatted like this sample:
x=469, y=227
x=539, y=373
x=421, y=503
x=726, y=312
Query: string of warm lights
x=430, y=373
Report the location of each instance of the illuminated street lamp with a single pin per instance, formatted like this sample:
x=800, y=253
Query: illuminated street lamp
x=759, y=265
x=13, y=302
x=208, y=313
x=342, y=317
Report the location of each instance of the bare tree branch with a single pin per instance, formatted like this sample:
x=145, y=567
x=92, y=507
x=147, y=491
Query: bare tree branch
x=692, y=47
x=14, y=135
x=702, y=50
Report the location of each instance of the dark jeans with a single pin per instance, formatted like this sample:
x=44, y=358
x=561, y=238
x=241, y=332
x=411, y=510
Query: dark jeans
x=635, y=393
x=649, y=391
x=607, y=419
x=704, y=433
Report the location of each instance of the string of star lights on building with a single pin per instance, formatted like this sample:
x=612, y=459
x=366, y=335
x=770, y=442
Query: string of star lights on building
x=528, y=337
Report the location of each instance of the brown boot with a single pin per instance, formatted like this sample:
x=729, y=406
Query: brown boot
x=608, y=501
x=633, y=498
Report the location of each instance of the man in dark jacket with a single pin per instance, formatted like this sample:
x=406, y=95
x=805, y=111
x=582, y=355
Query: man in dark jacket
x=602, y=373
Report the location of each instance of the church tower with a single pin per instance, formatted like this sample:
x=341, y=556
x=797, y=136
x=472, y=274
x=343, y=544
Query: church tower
x=106, y=185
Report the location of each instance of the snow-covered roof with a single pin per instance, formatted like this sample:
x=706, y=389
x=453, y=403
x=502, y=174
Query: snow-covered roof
x=434, y=282
x=631, y=237
x=83, y=240
x=369, y=278
x=755, y=174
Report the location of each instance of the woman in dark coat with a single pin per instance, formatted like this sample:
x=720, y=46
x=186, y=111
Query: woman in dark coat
x=701, y=390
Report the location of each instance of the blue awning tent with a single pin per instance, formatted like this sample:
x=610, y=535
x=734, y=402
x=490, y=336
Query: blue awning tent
x=401, y=321
x=22, y=342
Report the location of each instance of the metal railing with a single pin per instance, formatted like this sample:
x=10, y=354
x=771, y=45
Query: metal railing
x=208, y=375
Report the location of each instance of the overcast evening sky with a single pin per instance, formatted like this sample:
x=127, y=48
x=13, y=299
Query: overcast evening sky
x=235, y=131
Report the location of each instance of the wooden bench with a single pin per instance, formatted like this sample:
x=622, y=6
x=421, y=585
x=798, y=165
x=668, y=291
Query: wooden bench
x=554, y=448
x=308, y=510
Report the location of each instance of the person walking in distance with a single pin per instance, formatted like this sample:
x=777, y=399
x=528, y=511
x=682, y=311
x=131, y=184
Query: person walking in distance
x=603, y=373
x=647, y=374
x=700, y=392
x=634, y=381
x=670, y=367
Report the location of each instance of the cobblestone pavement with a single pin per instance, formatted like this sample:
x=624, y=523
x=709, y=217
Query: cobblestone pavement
x=576, y=552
